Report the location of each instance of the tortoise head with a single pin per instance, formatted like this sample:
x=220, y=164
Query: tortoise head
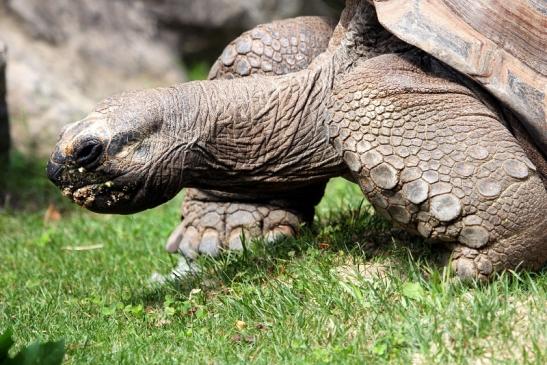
x=116, y=160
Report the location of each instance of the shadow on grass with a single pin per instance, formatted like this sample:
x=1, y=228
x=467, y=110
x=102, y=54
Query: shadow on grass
x=361, y=238
x=24, y=185
x=358, y=234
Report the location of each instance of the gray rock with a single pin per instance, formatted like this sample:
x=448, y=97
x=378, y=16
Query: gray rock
x=68, y=54
x=65, y=55
x=4, y=124
x=206, y=26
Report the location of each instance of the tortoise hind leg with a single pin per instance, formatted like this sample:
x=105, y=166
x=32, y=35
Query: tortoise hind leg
x=435, y=160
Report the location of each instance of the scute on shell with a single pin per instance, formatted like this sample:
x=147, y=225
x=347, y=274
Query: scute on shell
x=499, y=44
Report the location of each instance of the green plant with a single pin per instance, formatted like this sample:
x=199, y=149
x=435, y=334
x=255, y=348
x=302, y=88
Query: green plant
x=46, y=353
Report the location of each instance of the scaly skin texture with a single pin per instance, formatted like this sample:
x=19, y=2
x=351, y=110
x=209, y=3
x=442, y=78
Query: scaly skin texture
x=210, y=224
x=270, y=49
x=435, y=160
x=276, y=48
x=419, y=139
x=213, y=220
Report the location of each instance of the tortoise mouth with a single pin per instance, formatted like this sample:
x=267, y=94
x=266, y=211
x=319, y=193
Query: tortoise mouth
x=100, y=197
x=94, y=191
x=109, y=189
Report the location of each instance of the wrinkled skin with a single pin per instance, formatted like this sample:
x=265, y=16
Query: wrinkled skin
x=213, y=220
x=103, y=162
x=427, y=148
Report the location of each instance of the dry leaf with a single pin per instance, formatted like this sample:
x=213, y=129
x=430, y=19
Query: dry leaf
x=52, y=214
x=240, y=325
x=324, y=246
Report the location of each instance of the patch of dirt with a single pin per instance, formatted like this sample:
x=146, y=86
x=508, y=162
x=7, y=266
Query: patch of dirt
x=368, y=271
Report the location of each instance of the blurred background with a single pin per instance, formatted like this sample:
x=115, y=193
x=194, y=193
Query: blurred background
x=58, y=58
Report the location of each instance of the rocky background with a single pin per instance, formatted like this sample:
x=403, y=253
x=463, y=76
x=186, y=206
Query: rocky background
x=4, y=123
x=65, y=55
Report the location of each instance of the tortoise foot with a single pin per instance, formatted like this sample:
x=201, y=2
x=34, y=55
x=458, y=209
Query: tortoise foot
x=469, y=264
x=208, y=227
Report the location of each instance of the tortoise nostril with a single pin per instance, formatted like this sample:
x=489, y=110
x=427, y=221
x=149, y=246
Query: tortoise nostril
x=88, y=153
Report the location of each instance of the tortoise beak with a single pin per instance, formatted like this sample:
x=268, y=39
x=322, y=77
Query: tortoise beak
x=54, y=170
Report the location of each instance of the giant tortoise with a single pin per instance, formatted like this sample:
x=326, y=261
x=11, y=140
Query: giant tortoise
x=435, y=108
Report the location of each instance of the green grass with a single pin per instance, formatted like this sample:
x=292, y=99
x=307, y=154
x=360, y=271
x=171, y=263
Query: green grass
x=349, y=290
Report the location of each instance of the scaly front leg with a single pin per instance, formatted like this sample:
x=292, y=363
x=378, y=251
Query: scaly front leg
x=214, y=220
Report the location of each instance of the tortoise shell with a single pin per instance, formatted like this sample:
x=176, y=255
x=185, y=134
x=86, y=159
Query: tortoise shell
x=500, y=44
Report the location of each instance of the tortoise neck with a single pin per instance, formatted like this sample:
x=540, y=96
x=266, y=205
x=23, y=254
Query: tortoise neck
x=257, y=132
